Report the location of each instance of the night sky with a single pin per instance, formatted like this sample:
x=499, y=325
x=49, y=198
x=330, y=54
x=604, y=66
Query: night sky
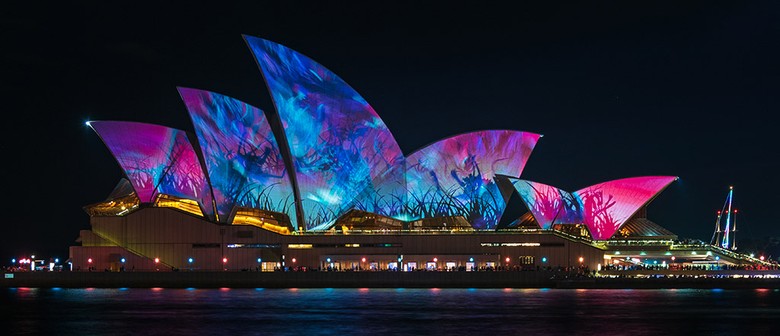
x=618, y=89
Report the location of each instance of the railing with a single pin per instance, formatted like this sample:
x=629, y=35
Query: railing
x=586, y=240
x=422, y=231
x=621, y=243
x=738, y=256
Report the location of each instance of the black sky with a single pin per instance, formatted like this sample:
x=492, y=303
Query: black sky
x=619, y=89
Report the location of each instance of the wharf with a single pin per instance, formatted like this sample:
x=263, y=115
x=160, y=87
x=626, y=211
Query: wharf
x=498, y=279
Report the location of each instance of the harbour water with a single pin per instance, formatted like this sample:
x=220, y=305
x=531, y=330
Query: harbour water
x=362, y=311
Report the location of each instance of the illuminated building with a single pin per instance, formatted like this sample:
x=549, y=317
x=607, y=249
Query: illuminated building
x=602, y=208
x=321, y=182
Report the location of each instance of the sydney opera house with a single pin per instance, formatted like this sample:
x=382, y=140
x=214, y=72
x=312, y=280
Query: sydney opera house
x=319, y=182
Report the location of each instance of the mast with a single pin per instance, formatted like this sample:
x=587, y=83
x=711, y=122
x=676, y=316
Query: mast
x=727, y=228
x=716, y=234
x=734, y=232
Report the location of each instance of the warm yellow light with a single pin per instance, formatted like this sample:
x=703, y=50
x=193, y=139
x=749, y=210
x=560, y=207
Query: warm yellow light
x=259, y=219
x=183, y=204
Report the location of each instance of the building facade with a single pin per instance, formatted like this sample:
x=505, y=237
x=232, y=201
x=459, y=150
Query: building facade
x=319, y=182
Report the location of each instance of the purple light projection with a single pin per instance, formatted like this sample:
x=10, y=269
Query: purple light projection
x=344, y=155
x=242, y=157
x=454, y=176
x=606, y=206
x=549, y=205
x=156, y=160
x=603, y=207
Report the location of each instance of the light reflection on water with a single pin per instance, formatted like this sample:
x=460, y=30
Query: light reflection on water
x=334, y=311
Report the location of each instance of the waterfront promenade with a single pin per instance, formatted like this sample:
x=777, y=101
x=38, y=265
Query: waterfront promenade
x=388, y=279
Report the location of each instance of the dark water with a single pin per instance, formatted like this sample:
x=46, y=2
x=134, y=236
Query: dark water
x=390, y=312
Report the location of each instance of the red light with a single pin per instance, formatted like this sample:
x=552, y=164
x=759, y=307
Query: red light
x=435, y=259
x=156, y=260
x=89, y=260
x=762, y=258
x=364, y=259
x=507, y=259
x=224, y=260
x=735, y=210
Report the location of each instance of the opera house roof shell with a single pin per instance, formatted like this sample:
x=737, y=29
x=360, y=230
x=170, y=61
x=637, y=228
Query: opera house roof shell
x=324, y=151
